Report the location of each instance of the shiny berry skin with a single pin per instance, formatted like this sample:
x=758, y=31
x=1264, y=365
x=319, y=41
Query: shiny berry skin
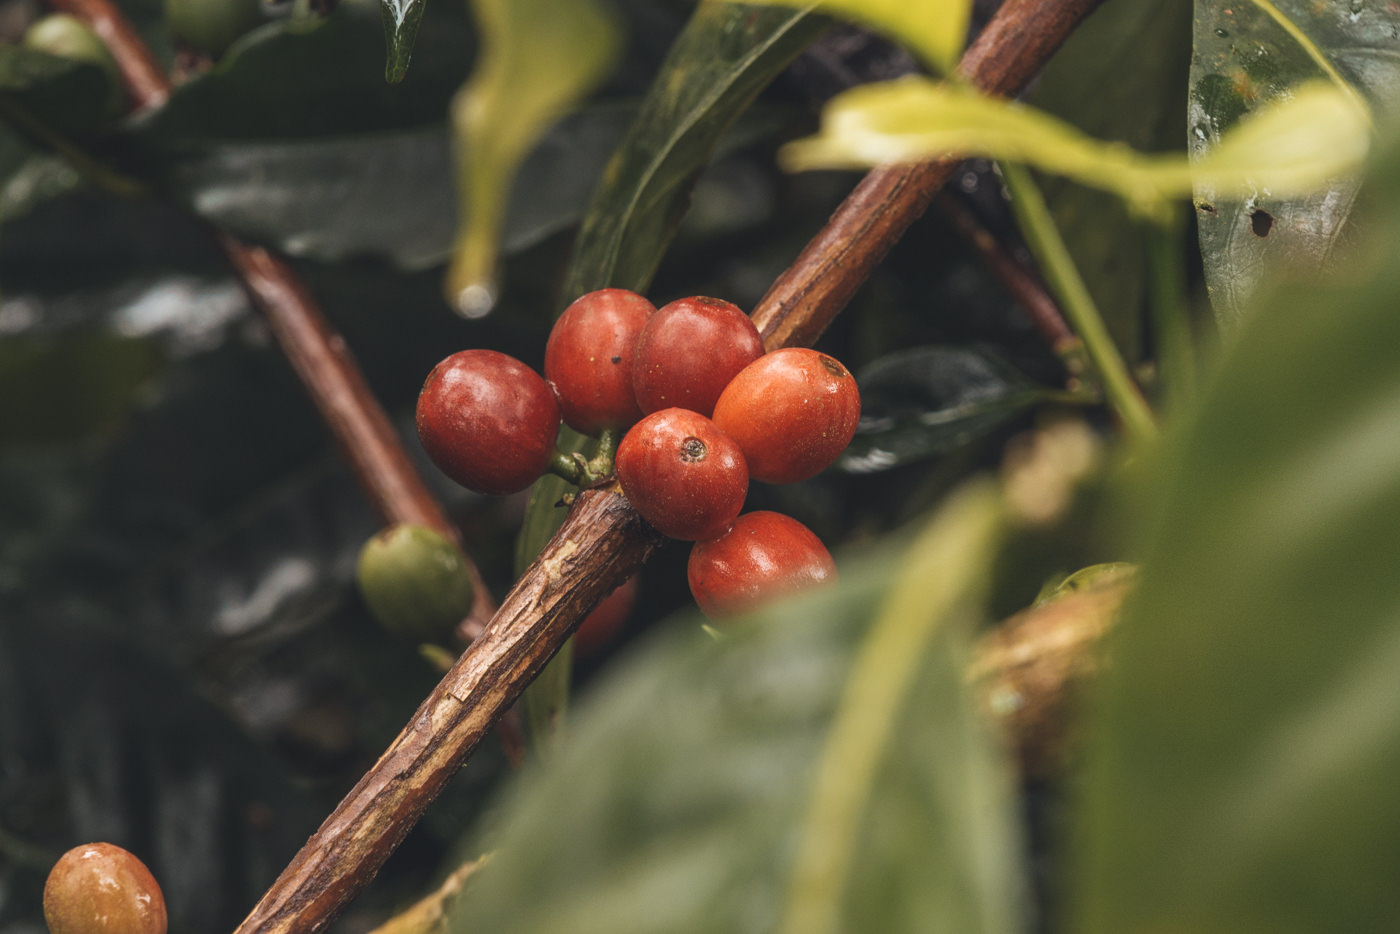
x=589, y=359
x=792, y=413
x=488, y=421
x=689, y=352
x=765, y=555
x=685, y=476
x=98, y=888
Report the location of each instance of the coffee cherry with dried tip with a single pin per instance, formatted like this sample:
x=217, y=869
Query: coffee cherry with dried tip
x=685, y=476
x=792, y=412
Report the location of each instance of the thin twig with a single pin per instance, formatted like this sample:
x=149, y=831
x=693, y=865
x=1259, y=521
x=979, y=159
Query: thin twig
x=1019, y=279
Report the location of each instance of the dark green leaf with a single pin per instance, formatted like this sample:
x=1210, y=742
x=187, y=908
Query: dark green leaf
x=1118, y=78
x=401, y=19
x=1248, y=730
x=297, y=79
x=342, y=197
x=1244, y=59
x=683, y=790
x=919, y=403
x=725, y=56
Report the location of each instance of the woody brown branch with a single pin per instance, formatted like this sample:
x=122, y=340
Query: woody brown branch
x=603, y=541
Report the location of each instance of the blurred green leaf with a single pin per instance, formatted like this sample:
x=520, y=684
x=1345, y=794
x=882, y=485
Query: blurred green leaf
x=1244, y=59
x=1248, y=730
x=401, y=19
x=538, y=58
x=1294, y=146
x=725, y=56
x=55, y=390
x=1118, y=78
x=935, y=29
x=919, y=403
x=676, y=802
x=340, y=198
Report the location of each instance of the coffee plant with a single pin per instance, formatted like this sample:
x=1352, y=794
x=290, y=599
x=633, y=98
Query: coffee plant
x=963, y=436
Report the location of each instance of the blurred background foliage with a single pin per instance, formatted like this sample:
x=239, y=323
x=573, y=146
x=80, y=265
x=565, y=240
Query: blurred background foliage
x=185, y=666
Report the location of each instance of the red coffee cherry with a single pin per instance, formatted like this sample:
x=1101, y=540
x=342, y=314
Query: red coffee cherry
x=763, y=556
x=792, y=413
x=589, y=359
x=488, y=421
x=99, y=888
x=689, y=352
x=684, y=475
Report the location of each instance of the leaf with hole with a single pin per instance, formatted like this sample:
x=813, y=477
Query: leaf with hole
x=1248, y=55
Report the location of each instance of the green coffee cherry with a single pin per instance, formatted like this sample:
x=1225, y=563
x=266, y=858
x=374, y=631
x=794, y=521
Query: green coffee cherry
x=415, y=582
x=69, y=37
x=211, y=26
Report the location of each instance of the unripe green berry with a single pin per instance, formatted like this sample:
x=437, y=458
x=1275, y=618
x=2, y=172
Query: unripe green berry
x=415, y=582
x=211, y=26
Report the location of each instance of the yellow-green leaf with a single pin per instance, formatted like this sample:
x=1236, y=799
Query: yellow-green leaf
x=537, y=58
x=933, y=29
x=1318, y=133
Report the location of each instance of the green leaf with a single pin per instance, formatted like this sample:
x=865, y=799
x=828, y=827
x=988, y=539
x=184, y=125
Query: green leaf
x=538, y=57
x=682, y=793
x=1246, y=56
x=1118, y=78
x=401, y=19
x=1248, y=731
x=933, y=29
x=919, y=403
x=725, y=56
x=1292, y=147
x=341, y=198
x=299, y=79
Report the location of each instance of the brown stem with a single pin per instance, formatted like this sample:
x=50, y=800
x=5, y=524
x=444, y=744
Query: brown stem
x=1021, y=280
x=1017, y=42
x=602, y=543
x=146, y=81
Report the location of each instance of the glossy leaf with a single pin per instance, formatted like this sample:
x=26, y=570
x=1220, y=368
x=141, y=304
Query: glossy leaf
x=916, y=404
x=1246, y=56
x=401, y=20
x=934, y=29
x=1117, y=78
x=1292, y=147
x=1248, y=728
x=683, y=790
x=343, y=197
x=725, y=56
x=538, y=57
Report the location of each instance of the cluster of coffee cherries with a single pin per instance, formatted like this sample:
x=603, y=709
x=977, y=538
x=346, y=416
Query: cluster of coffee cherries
x=704, y=410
